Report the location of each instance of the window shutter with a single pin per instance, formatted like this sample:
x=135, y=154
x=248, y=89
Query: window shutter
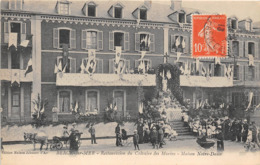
x=136, y=63
x=84, y=39
x=257, y=72
x=200, y=68
x=126, y=46
x=246, y=49
x=99, y=66
x=137, y=42
x=73, y=65
x=256, y=51
x=152, y=46
x=212, y=69
x=241, y=48
x=222, y=71
x=6, y=32
x=111, y=40
x=100, y=40
x=186, y=49
x=23, y=32
x=246, y=73
x=241, y=72
x=73, y=39
x=127, y=66
x=55, y=38
x=111, y=65
x=230, y=47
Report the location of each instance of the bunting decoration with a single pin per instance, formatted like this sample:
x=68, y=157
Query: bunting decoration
x=76, y=107
x=121, y=67
x=12, y=40
x=177, y=42
x=42, y=110
x=91, y=64
x=60, y=67
x=250, y=97
x=29, y=67
x=142, y=54
x=228, y=71
x=118, y=54
x=82, y=67
x=182, y=70
x=141, y=67
x=197, y=64
x=203, y=71
x=15, y=76
x=55, y=69
x=217, y=61
x=251, y=60
x=141, y=107
x=168, y=75
x=25, y=42
x=183, y=44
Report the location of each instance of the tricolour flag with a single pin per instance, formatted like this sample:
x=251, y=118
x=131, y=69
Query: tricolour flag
x=177, y=42
x=60, y=67
x=25, y=42
x=82, y=67
x=29, y=67
x=250, y=97
x=203, y=71
x=55, y=69
x=64, y=69
x=42, y=110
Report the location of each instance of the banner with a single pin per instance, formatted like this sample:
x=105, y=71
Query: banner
x=143, y=54
x=12, y=40
x=15, y=76
x=217, y=61
x=141, y=107
x=91, y=64
x=250, y=98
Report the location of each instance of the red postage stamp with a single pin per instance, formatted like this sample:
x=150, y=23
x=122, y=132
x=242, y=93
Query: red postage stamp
x=209, y=36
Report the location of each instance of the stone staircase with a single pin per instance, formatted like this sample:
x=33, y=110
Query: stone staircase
x=178, y=126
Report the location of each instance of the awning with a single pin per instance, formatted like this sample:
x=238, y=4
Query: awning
x=201, y=81
x=15, y=74
x=77, y=79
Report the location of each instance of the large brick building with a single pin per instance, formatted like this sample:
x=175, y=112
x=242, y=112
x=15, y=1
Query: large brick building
x=103, y=26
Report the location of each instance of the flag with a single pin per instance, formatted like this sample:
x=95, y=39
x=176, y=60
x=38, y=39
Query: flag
x=121, y=67
x=76, y=107
x=91, y=64
x=217, y=61
x=82, y=67
x=60, y=67
x=141, y=106
x=24, y=43
x=183, y=43
x=148, y=40
x=168, y=75
x=141, y=66
x=65, y=54
x=197, y=64
x=203, y=71
x=177, y=42
x=64, y=69
x=15, y=76
x=55, y=69
x=142, y=54
x=12, y=40
x=42, y=110
x=118, y=54
x=178, y=56
x=29, y=67
x=182, y=70
x=250, y=97
x=251, y=60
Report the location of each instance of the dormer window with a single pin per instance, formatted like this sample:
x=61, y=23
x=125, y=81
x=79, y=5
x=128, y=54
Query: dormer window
x=15, y=4
x=181, y=18
x=116, y=11
x=234, y=24
x=143, y=14
x=63, y=7
x=91, y=10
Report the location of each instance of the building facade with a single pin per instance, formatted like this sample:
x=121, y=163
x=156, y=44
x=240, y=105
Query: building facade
x=137, y=27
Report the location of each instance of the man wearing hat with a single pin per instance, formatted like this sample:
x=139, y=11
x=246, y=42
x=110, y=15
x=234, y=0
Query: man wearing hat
x=73, y=127
x=220, y=138
x=92, y=132
x=245, y=130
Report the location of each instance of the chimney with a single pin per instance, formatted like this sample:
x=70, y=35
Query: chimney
x=148, y=3
x=176, y=5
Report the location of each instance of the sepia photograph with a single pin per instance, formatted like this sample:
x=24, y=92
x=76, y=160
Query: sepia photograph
x=130, y=81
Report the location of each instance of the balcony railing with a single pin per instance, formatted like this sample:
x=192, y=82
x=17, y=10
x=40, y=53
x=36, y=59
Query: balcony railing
x=15, y=74
x=201, y=81
x=77, y=79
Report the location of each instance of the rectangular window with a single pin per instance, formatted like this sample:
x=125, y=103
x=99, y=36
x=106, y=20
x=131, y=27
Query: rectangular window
x=63, y=64
x=64, y=101
x=119, y=100
x=64, y=37
x=119, y=39
x=251, y=48
x=91, y=40
x=234, y=24
x=15, y=4
x=16, y=28
x=118, y=12
x=15, y=60
x=237, y=99
x=91, y=10
x=143, y=66
x=16, y=100
x=145, y=42
x=64, y=8
x=236, y=73
x=92, y=101
x=255, y=100
x=235, y=48
x=248, y=26
x=178, y=44
x=251, y=73
x=181, y=18
x=143, y=14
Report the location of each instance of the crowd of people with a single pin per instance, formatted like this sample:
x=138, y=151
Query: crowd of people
x=231, y=129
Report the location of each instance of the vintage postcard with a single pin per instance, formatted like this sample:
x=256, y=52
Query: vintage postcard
x=130, y=82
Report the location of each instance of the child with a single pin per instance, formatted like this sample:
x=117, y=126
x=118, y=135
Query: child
x=154, y=137
x=136, y=139
x=220, y=138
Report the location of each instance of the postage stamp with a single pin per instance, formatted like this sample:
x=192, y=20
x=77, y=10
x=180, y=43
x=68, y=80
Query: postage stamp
x=209, y=33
